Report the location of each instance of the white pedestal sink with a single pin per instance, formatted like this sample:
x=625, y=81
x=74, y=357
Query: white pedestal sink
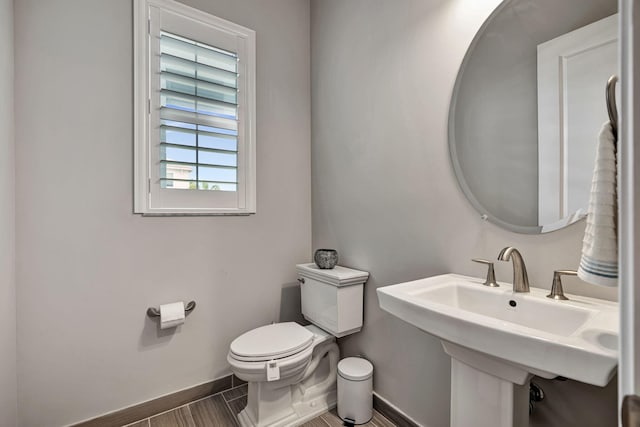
x=498, y=340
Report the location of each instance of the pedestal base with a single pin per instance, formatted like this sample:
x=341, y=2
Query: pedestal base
x=482, y=400
x=486, y=392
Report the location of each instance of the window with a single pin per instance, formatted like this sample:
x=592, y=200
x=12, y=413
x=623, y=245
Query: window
x=194, y=112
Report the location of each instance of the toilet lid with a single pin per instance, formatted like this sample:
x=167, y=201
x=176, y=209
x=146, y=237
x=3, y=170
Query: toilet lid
x=271, y=342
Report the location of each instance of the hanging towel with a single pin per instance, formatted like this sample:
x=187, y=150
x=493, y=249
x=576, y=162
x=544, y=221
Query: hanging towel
x=599, y=262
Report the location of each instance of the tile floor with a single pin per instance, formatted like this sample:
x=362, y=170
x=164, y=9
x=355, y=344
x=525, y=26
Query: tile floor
x=220, y=410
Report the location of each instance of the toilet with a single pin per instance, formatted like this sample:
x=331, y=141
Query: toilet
x=291, y=369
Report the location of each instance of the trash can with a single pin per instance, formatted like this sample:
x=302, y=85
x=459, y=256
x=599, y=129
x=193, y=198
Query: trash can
x=355, y=390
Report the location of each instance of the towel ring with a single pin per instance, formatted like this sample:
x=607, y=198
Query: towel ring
x=611, y=104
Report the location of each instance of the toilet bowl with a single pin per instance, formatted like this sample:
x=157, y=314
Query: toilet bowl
x=292, y=389
x=291, y=370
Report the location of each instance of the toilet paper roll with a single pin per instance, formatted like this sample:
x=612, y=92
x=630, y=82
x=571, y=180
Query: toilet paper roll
x=171, y=315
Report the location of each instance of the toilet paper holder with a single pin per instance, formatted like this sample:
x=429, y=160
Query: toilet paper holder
x=155, y=312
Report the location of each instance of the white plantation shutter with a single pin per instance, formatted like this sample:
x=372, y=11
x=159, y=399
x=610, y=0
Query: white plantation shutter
x=198, y=149
x=198, y=115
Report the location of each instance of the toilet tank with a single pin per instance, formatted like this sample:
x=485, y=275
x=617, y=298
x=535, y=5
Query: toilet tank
x=332, y=299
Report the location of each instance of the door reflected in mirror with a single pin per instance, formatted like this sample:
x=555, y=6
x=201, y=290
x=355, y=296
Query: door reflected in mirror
x=572, y=69
x=527, y=108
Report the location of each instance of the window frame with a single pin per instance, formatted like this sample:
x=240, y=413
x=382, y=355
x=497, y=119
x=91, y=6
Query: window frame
x=151, y=17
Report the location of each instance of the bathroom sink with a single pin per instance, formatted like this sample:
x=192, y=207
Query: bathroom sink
x=576, y=338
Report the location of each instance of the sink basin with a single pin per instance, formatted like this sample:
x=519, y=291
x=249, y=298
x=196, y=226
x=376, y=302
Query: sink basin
x=576, y=339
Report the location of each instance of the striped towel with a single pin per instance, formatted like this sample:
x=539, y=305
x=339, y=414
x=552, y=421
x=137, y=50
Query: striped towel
x=599, y=262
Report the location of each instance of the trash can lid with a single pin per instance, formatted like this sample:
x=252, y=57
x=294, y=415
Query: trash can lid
x=355, y=368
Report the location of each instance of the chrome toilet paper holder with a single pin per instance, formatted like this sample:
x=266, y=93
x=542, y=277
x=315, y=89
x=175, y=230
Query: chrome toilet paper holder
x=155, y=312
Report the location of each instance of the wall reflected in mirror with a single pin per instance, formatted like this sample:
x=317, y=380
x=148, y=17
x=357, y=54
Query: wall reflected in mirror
x=527, y=108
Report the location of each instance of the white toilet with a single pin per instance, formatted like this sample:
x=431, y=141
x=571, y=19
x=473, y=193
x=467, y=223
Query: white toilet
x=292, y=369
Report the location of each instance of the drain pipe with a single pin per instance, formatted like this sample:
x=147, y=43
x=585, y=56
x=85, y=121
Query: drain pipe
x=536, y=394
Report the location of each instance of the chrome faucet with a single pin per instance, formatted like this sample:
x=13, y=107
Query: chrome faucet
x=520, y=279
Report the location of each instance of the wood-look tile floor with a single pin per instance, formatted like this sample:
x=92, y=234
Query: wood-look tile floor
x=220, y=410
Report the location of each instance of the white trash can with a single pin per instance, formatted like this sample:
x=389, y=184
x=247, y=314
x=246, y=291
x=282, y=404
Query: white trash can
x=355, y=390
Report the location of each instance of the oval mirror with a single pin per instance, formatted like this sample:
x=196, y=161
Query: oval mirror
x=527, y=107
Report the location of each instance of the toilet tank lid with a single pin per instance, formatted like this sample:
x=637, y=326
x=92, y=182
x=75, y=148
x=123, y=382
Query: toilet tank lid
x=337, y=276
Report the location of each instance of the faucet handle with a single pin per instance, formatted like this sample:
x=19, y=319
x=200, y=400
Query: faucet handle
x=557, y=292
x=491, y=274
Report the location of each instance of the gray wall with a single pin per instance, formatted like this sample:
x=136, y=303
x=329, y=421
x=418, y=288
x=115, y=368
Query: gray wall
x=384, y=194
x=88, y=268
x=8, y=403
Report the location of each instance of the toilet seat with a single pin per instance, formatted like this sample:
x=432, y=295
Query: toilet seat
x=271, y=342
